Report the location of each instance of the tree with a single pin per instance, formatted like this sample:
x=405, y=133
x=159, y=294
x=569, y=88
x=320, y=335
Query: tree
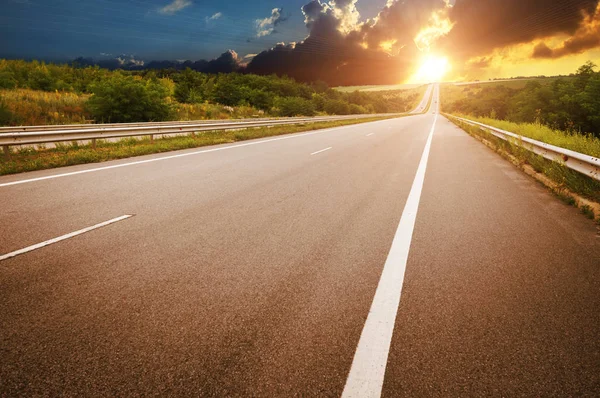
x=123, y=99
x=295, y=106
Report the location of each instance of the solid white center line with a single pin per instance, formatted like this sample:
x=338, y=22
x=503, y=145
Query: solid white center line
x=370, y=134
x=322, y=150
x=370, y=359
x=63, y=237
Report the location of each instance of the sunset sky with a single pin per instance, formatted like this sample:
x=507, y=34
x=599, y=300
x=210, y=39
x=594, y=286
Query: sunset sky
x=342, y=42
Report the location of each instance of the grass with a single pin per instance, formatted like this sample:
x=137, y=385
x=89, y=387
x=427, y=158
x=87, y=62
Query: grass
x=413, y=92
x=587, y=211
x=582, y=143
x=560, y=174
x=30, y=159
x=393, y=87
x=32, y=107
x=511, y=83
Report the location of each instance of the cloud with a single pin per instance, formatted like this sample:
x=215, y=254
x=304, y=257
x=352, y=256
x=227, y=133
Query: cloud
x=586, y=37
x=482, y=26
x=175, y=6
x=214, y=17
x=266, y=26
x=343, y=48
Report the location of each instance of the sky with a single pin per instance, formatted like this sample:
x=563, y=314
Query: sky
x=339, y=41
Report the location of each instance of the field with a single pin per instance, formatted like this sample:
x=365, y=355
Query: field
x=393, y=87
x=38, y=93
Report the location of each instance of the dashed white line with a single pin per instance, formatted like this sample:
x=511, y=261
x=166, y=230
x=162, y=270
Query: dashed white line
x=181, y=155
x=322, y=150
x=63, y=237
x=370, y=134
x=370, y=359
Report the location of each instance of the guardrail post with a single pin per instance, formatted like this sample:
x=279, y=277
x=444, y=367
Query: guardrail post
x=152, y=138
x=6, y=150
x=93, y=143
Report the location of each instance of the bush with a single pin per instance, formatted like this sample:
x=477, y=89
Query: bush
x=337, y=107
x=226, y=92
x=123, y=99
x=7, y=80
x=6, y=116
x=261, y=100
x=295, y=106
x=357, y=109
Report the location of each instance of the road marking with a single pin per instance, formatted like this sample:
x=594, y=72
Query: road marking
x=116, y=166
x=370, y=359
x=63, y=237
x=370, y=134
x=322, y=150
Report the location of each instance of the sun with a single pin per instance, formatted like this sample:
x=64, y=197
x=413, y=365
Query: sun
x=433, y=68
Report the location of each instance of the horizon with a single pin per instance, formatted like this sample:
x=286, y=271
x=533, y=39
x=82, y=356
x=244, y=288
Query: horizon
x=348, y=42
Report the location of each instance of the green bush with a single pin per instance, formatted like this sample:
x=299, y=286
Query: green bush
x=123, y=99
x=357, y=109
x=261, y=100
x=6, y=117
x=295, y=106
x=7, y=80
x=337, y=107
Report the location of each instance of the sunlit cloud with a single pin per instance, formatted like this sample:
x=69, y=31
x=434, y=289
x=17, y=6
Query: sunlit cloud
x=266, y=26
x=439, y=26
x=175, y=6
x=214, y=17
x=585, y=38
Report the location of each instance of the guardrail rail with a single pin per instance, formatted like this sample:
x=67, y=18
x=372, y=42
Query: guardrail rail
x=582, y=163
x=31, y=135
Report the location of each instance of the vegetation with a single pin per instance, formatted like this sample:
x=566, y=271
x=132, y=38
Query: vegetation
x=560, y=174
x=582, y=143
x=40, y=93
x=124, y=99
x=29, y=159
x=571, y=104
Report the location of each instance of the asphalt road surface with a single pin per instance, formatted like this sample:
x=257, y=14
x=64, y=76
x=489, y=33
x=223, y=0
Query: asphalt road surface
x=251, y=269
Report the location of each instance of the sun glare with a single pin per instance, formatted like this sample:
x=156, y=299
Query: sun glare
x=432, y=69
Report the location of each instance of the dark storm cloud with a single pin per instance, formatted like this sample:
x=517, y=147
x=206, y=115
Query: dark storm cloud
x=333, y=51
x=484, y=25
x=585, y=38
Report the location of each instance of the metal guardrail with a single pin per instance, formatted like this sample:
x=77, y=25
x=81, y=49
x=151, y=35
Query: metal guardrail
x=52, y=127
x=580, y=162
x=33, y=135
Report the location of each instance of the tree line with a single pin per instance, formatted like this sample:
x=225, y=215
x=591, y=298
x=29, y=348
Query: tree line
x=567, y=103
x=151, y=95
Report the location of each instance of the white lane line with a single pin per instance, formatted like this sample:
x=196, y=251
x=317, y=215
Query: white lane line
x=322, y=150
x=370, y=359
x=63, y=237
x=370, y=134
x=116, y=166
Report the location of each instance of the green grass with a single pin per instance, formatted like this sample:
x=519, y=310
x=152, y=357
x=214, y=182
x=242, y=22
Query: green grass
x=560, y=174
x=30, y=159
x=582, y=143
x=587, y=211
x=511, y=83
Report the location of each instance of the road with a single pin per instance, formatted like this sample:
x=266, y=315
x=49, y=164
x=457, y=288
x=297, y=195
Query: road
x=250, y=269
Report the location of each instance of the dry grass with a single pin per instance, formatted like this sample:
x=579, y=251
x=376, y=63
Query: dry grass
x=32, y=107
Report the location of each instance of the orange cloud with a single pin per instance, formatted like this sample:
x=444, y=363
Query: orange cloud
x=585, y=38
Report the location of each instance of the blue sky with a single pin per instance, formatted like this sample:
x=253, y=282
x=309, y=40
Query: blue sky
x=148, y=29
